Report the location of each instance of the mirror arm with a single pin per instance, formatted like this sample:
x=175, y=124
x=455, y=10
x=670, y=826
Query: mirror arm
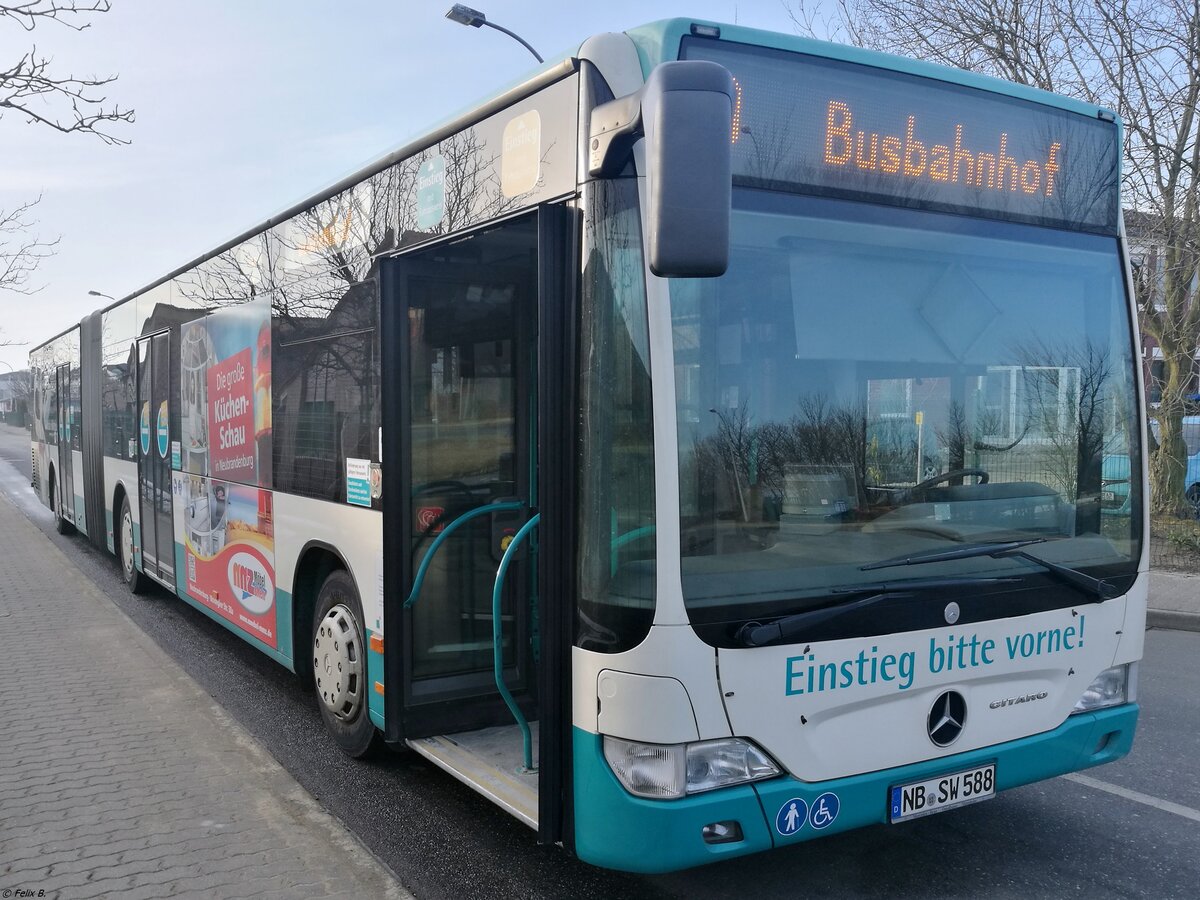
x=615, y=127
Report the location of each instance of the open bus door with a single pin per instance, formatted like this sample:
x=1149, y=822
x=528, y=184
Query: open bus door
x=465, y=466
x=66, y=404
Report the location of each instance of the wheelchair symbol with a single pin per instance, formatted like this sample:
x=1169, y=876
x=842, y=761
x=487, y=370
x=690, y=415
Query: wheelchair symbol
x=824, y=811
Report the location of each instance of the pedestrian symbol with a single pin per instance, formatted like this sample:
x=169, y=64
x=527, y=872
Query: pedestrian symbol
x=791, y=816
x=824, y=810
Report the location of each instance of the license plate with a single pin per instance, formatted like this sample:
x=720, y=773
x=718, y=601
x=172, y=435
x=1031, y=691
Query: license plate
x=923, y=798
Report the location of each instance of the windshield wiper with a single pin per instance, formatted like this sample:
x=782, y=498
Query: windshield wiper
x=918, y=584
x=988, y=548
x=1093, y=587
x=756, y=634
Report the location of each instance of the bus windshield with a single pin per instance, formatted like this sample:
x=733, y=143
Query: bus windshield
x=866, y=382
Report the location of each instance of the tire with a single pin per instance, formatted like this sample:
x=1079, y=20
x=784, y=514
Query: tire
x=339, y=662
x=134, y=580
x=61, y=525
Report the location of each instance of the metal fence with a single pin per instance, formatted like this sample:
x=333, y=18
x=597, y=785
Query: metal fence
x=1175, y=543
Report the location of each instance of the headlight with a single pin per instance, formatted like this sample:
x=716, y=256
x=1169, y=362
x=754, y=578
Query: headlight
x=1112, y=687
x=666, y=771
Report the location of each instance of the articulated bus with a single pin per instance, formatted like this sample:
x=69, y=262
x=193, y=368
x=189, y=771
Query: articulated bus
x=696, y=448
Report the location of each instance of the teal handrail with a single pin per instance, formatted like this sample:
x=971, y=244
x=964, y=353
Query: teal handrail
x=419, y=580
x=498, y=639
x=630, y=536
x=627, y=538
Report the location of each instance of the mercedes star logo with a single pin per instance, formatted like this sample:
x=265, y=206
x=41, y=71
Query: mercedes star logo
x=946, y=718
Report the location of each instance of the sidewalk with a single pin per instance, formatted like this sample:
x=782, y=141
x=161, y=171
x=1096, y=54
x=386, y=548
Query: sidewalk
x=1174, y=601
x=120, y=777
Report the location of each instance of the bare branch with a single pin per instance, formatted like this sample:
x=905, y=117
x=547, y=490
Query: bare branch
x=21, y=251
x=64, y=12
x=64, y=103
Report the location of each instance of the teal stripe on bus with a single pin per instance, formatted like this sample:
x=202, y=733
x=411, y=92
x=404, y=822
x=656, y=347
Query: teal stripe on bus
x=864, y=799
x=283, y=617
x=615, y=829
x=374, y=674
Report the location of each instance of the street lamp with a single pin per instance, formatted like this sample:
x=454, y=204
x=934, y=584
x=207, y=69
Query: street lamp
x=99, y=294
x=464, y=15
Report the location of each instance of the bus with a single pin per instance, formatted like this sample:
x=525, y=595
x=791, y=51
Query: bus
x=696, y=448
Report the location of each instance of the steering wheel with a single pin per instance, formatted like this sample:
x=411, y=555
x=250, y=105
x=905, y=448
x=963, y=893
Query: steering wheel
x=981, y=474
x=918, y=489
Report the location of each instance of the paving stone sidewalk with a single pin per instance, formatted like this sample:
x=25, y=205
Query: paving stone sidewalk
x=120, y=777
x=1174, y=601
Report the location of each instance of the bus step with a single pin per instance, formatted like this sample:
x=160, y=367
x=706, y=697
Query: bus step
x=488, y=761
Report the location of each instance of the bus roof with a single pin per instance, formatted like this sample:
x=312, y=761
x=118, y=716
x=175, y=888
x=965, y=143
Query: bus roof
x=656, y=42
x=660, y=41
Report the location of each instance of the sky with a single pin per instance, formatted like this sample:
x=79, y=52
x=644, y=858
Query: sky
x=244, y=107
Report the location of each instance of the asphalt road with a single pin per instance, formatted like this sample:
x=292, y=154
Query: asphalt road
x=1130, y=829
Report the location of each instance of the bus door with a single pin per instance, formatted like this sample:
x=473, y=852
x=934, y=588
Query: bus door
x=464, y=406
x=65, y=411
x=477, y=354
x=154, y=462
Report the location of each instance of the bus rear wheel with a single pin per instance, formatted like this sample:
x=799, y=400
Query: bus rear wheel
x=134, y=579
x=339, y=662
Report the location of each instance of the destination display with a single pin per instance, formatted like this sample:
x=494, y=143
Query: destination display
x=835, y=128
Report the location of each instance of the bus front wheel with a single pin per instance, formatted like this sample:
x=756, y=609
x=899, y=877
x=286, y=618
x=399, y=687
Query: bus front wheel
x=339, y=662
x=135, y=580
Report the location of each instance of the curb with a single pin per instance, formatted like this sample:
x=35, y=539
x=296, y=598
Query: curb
x=1178, y=621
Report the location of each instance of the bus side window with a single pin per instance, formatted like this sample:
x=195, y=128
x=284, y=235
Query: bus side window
x=617, y=539
x=325, y=395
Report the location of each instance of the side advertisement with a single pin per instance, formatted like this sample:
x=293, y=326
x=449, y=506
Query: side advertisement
x=228, y=551
x=225, y=374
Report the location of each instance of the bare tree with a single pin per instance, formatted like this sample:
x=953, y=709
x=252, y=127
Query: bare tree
x=33, y=90
x=20, y=250
x=1138, y=57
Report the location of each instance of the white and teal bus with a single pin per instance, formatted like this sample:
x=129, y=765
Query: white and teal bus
x=696, y=448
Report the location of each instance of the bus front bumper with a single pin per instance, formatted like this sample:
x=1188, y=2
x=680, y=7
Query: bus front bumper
x=616, y=830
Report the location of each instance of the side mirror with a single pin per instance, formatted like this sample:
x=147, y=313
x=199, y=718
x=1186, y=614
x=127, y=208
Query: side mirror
x=685, y=113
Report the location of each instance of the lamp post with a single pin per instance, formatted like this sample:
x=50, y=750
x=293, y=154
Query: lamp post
x=99, y=294
x=464, y=15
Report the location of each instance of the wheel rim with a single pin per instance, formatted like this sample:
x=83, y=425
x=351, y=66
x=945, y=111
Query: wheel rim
x=127, y=543
x=338, y=663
